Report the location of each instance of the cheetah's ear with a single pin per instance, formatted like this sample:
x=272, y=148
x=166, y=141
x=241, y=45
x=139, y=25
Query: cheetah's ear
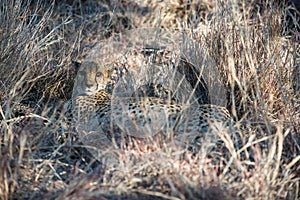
x=76, y=64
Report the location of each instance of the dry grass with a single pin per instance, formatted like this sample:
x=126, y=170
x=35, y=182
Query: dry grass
x=256, y=48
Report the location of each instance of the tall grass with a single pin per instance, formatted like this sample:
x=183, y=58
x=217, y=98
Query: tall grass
x=255, y=49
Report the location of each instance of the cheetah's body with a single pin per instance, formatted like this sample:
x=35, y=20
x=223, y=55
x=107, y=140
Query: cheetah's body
x=147, y=116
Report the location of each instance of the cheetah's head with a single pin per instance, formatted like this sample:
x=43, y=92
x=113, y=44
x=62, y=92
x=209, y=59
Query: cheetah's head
x=91, y=77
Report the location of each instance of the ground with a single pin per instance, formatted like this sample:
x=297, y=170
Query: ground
x=255, y=47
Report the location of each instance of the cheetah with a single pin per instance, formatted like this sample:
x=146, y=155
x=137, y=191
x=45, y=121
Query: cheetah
x=96, y=110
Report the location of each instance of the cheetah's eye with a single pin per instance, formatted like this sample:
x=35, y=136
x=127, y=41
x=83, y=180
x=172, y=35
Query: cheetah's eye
x=98, y=74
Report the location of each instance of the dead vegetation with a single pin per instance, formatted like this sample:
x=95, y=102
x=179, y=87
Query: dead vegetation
x=256, y=48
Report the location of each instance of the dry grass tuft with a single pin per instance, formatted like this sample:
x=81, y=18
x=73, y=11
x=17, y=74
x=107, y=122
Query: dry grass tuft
x=256, y=48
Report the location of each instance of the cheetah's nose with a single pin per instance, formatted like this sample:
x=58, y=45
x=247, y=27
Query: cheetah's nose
x=89, y=85
x=90, y=89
